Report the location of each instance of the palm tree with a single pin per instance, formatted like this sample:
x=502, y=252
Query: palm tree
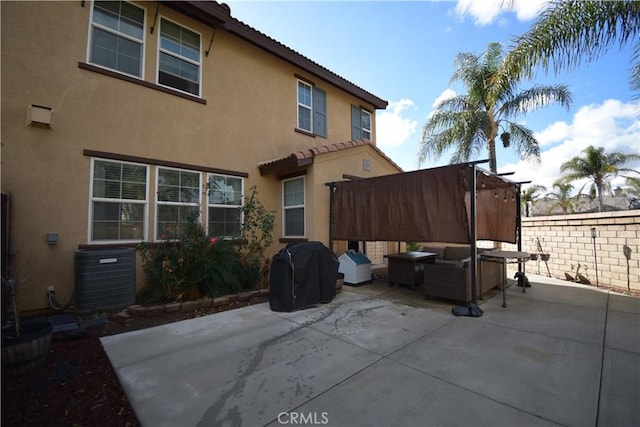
x=530, y=194
x=470, y=123
x=571, y=31
x=633, y=192
x=561, y=198
x=597, y=167
x=632, y=186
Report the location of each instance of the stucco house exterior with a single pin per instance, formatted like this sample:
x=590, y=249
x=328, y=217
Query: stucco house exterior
x=117, y=116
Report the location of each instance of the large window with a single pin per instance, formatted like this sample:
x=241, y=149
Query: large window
x=178, y=202
x=293, y=197
x=225, y=205
x=179, y=58
x=312, y=109
x=117, y=36
x=118, y=201
x=360, y=123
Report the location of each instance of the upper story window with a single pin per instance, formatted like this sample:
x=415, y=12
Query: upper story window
x=293, y=207
x=312, y=109
x=117, y=37
x=360, y=123
x=225, y=205
x=178, y=202
x=179, y=58
x=118, y=201
x=366, y=124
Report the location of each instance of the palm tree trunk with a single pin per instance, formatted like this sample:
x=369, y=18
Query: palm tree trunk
x=600, y=198
x=493, y=167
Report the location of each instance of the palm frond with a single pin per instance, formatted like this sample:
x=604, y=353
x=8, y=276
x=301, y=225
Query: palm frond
x=537, y=97
x=569, y=32
x=526, y=144
x=456, y=103
x=446, y=130
x=635, y=69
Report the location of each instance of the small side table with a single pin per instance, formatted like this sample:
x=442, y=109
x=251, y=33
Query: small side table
x=402, y=267
x=504, y=258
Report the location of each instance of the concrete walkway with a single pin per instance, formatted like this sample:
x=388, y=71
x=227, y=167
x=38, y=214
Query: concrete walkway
x=557, y=355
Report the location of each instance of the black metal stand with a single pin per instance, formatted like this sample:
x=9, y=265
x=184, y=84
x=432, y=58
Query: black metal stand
x=472, y=310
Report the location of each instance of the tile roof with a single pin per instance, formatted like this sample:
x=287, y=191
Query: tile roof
x=219, y=15
x=299, y=159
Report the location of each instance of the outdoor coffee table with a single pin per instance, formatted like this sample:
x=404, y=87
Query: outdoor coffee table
x=504, y=258
x=402, y=267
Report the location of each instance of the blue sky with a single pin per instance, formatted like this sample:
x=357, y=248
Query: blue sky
x=404, y=52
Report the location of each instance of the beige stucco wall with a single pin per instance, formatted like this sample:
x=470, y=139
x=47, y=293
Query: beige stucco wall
x=567, y=239
x=249, y=116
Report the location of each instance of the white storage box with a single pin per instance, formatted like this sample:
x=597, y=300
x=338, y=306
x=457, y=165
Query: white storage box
x=356, y=268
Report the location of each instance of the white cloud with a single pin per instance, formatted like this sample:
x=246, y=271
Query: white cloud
x=613, y=125
x=485, y=12
x=552, y=134
x=393, y=129
x=446, y=94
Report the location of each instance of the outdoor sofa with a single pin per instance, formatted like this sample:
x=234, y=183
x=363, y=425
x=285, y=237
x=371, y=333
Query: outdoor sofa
x=449, y=277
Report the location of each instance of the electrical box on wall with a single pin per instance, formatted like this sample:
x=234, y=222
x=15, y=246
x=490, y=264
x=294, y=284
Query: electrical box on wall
x=37, y=115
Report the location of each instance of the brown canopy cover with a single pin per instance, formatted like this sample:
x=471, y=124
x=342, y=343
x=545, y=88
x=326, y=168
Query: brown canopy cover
x=429, y=205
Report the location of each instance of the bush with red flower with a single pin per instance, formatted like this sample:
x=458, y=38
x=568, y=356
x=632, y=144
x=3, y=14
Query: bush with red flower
x=195, y=265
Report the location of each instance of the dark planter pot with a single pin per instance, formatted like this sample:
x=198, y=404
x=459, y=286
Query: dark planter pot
x=533, y=257
x=27, y=350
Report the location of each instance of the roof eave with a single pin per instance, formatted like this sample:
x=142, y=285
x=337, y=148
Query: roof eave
x=216, y=15
x=287, y=165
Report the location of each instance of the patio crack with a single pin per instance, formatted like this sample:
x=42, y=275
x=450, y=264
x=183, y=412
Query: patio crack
x=233, y=416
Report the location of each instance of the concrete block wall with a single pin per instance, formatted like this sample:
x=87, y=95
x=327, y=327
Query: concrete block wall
x=567, y=239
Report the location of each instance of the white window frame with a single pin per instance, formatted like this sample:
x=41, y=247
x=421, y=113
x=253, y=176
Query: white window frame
x=364, y=113
x=93, y=199
x=119, y=34
x=303, y=206
x=210, y=204
x=159, y=203
x=179, y=57
x=307, y=107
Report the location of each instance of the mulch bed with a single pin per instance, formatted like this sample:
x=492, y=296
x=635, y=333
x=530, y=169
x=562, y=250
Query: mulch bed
x=76, y=385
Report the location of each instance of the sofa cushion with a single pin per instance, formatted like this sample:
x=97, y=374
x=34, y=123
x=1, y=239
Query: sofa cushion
x=435, y=250
x=456, y=252
x=451, y=262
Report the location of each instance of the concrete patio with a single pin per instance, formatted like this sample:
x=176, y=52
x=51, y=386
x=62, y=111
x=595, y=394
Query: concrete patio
x=556, y=355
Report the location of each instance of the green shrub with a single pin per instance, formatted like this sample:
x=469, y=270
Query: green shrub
x=196, y=265
x=413, y=246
